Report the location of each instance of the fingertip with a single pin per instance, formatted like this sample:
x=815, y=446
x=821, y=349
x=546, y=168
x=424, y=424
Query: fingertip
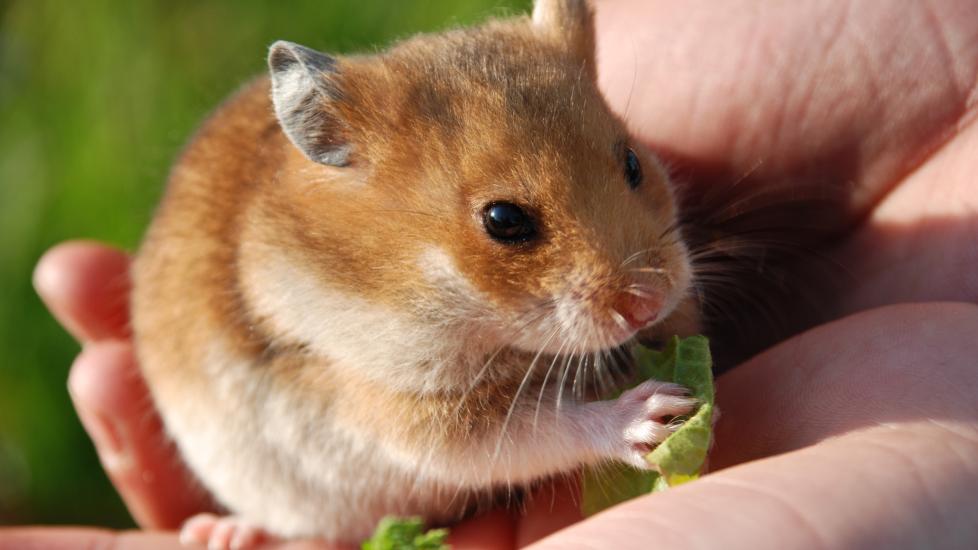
x=86, y=287
x=54, y=284
x=68, y=538
x=105, y=377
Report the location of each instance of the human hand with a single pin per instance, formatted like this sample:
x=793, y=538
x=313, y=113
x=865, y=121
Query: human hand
x=790, y=496
x=903, y=153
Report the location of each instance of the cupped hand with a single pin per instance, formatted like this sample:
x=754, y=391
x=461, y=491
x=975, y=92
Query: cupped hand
x=826, y=427
x=861, y=432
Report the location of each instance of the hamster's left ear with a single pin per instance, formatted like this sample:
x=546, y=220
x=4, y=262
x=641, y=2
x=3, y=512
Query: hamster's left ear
x=305, y=94
x=569, y=23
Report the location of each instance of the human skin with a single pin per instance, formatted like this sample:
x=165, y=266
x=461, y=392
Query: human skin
x=860, y=432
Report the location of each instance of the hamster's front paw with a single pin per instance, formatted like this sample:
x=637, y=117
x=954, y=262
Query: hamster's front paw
x=644, y=413
x=222, y=533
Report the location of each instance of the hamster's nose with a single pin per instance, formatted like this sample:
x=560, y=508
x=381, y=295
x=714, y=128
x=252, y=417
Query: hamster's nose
x=638, y=311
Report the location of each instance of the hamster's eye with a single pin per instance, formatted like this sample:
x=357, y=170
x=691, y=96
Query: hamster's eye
x=508, y=223
x=633, y=169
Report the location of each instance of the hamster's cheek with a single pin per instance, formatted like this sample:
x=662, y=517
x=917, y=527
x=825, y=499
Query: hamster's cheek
x=450, y=288
x=529, y=324
x=294, y=304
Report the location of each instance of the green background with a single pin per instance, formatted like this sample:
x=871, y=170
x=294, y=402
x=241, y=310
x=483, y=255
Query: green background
x=96, y=97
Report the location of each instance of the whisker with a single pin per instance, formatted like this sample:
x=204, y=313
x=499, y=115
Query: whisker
x=634, y=257
x=640, y=291
x=619, y=319
x=512, y=407
x=657, y=270
x=543, y=386
x=565, y=369
x=575, y=385
x=538, y=313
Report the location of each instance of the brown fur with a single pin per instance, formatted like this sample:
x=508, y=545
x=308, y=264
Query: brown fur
x=438, y=127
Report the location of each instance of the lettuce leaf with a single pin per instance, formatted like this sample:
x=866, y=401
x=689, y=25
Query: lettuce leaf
x=681, y=456
x=405, y=534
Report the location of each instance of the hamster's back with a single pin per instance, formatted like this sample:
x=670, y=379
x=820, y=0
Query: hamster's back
x=185, y=273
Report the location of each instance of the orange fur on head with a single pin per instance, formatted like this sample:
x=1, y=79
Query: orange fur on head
x=440, y=126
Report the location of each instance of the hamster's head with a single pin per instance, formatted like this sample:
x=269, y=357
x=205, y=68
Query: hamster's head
x=476, y=180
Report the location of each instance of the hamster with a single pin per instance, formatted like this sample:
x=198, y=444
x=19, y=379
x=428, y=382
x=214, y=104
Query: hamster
x=393, y=284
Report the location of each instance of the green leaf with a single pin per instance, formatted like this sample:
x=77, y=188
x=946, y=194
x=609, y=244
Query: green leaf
x=681, y=456
x=405, y=534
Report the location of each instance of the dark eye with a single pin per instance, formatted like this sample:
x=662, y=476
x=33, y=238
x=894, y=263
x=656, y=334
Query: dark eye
x=508, y=223
x=633, y=169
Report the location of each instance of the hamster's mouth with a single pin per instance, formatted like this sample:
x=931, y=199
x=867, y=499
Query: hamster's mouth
x=574, y=332
x=589, y=314
x=614, y=333
x=575, y=326
x=620, y=335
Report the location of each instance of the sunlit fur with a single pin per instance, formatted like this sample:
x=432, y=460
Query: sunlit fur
x=328, y=345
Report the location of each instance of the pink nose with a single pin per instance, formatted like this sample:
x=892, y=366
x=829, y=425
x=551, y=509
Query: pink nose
x=638, y=311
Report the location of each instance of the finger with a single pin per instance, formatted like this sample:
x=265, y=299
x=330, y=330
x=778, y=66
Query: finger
x=116, y=409
x=814, y=398
x=71, y=538
x=817, y=396
x=86, y=287
x=898, y=363
x=903, y=486
x=877, y=420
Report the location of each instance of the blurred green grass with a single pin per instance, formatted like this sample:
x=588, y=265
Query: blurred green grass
x=96, y=97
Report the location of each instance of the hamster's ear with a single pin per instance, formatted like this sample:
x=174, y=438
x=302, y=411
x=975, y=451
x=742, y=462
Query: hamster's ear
x=303, y=88
x=570, y=23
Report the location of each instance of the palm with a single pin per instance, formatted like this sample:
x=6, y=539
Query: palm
x=831, y=92
x=872, y=102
